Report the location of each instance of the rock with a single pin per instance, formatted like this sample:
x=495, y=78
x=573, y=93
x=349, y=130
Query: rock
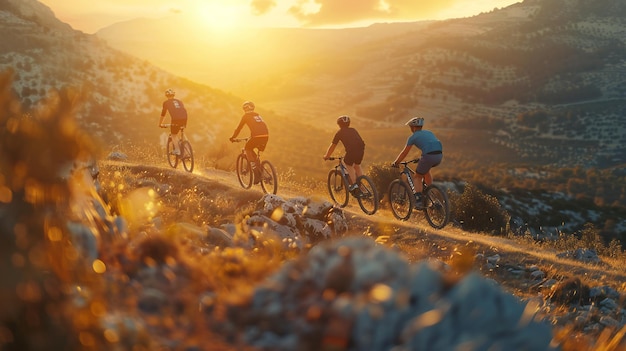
x=219, y=237
x=296, y=222
x=117, y=156
x=386, y=303
x=537, y=275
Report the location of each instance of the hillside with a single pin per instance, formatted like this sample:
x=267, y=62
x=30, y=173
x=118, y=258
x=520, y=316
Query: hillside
x=564, y=59
x=528, y=99
x=118, y=97
x=142, y=257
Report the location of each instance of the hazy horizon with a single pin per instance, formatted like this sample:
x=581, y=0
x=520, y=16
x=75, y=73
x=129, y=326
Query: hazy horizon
x=92, y=16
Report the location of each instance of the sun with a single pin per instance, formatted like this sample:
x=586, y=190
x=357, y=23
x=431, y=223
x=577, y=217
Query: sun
x=216, y=15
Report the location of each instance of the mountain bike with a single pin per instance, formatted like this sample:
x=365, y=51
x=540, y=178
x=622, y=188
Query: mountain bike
x=434, y=200
x=184, y=147
x=245, y=173
x=339, y=183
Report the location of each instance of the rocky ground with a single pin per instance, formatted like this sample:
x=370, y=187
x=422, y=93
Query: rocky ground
x=577, y=292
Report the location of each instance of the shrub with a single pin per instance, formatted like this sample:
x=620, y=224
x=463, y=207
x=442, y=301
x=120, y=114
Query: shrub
x=382, y=175
x=477, y=211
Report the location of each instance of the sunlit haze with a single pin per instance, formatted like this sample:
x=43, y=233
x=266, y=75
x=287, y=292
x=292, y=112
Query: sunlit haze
x=90, y=16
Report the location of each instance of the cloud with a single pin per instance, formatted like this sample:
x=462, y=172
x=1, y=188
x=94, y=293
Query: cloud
x=329, y=12
x=260, y=7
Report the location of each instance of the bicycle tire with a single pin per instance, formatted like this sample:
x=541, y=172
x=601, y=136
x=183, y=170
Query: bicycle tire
x=269, y=180
x=244, y=172
x=172, y=158
x=400, y=199
x=368, y=197
x=436, y=206
x=337, y=188
x=187, y=156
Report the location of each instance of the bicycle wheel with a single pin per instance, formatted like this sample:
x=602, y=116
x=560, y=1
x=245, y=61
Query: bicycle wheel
x=269, y=181
x=244, y=171
x=436, y=206
x=172, y=159
x=187, y=156
x=337, y=188
x=400, y=199
x=368, y=197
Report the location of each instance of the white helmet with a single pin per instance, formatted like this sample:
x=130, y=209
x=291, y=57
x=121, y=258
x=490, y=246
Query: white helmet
x=248, y=106
x=343, y=121
x=170, y=93
x=415, y=122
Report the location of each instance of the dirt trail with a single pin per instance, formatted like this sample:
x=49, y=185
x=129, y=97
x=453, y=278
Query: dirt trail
x=415, y=232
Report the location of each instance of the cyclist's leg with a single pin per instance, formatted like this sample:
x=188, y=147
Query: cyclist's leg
x=348, y=161
x=250, y=154
x=357, y=157
x=357, y=170
x=175, y=129
x=425, y=164
x=422, y=171
x=255, y=143
x=417, y=181
x=428, y=178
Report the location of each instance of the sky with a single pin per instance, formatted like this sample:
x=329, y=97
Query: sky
x=91, y=15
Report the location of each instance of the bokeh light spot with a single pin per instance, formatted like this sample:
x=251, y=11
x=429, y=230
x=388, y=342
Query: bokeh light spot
x=381, y=292
x=99, y=266
x=428, y=319
x=111, y=336
x=55, y=234
x=277, y=214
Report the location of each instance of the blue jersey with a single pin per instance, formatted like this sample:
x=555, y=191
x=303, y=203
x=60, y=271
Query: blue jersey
x=425, y=140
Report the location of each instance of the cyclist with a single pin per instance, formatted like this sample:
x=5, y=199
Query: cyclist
x=178, y=116
x=432, y=154
x=355, y=149
x=259, y=135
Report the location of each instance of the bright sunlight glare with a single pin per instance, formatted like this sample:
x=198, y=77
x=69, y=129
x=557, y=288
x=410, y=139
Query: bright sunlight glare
x=215, y=15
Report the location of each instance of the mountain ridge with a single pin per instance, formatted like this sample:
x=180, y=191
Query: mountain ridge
x=562, y=58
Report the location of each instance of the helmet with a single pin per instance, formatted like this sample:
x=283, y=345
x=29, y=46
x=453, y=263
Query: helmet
x=170, y=93
x=415, y=122
x=343, y=121
x=248, y=106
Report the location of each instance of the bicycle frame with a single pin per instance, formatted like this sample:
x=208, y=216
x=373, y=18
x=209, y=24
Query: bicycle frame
x=186, y=151
x=181, y=134
x=266, y=171
x=365, y=192
x=342, y=169
x=408, y=172
x=434, y=201
x=257, y=152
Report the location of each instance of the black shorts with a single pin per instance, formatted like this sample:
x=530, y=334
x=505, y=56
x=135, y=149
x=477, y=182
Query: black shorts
x=177, y=124
x=259, y=142
x=354, y=157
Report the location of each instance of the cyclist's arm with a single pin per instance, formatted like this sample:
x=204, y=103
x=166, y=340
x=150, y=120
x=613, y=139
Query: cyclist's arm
x=238, y=129
x=330, y=150
x=163, y=113
x=402, y=154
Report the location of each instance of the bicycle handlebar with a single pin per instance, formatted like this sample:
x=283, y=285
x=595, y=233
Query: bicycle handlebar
x=411, y=161
x=335, y=158
x=238, y=140
x=405, y=163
